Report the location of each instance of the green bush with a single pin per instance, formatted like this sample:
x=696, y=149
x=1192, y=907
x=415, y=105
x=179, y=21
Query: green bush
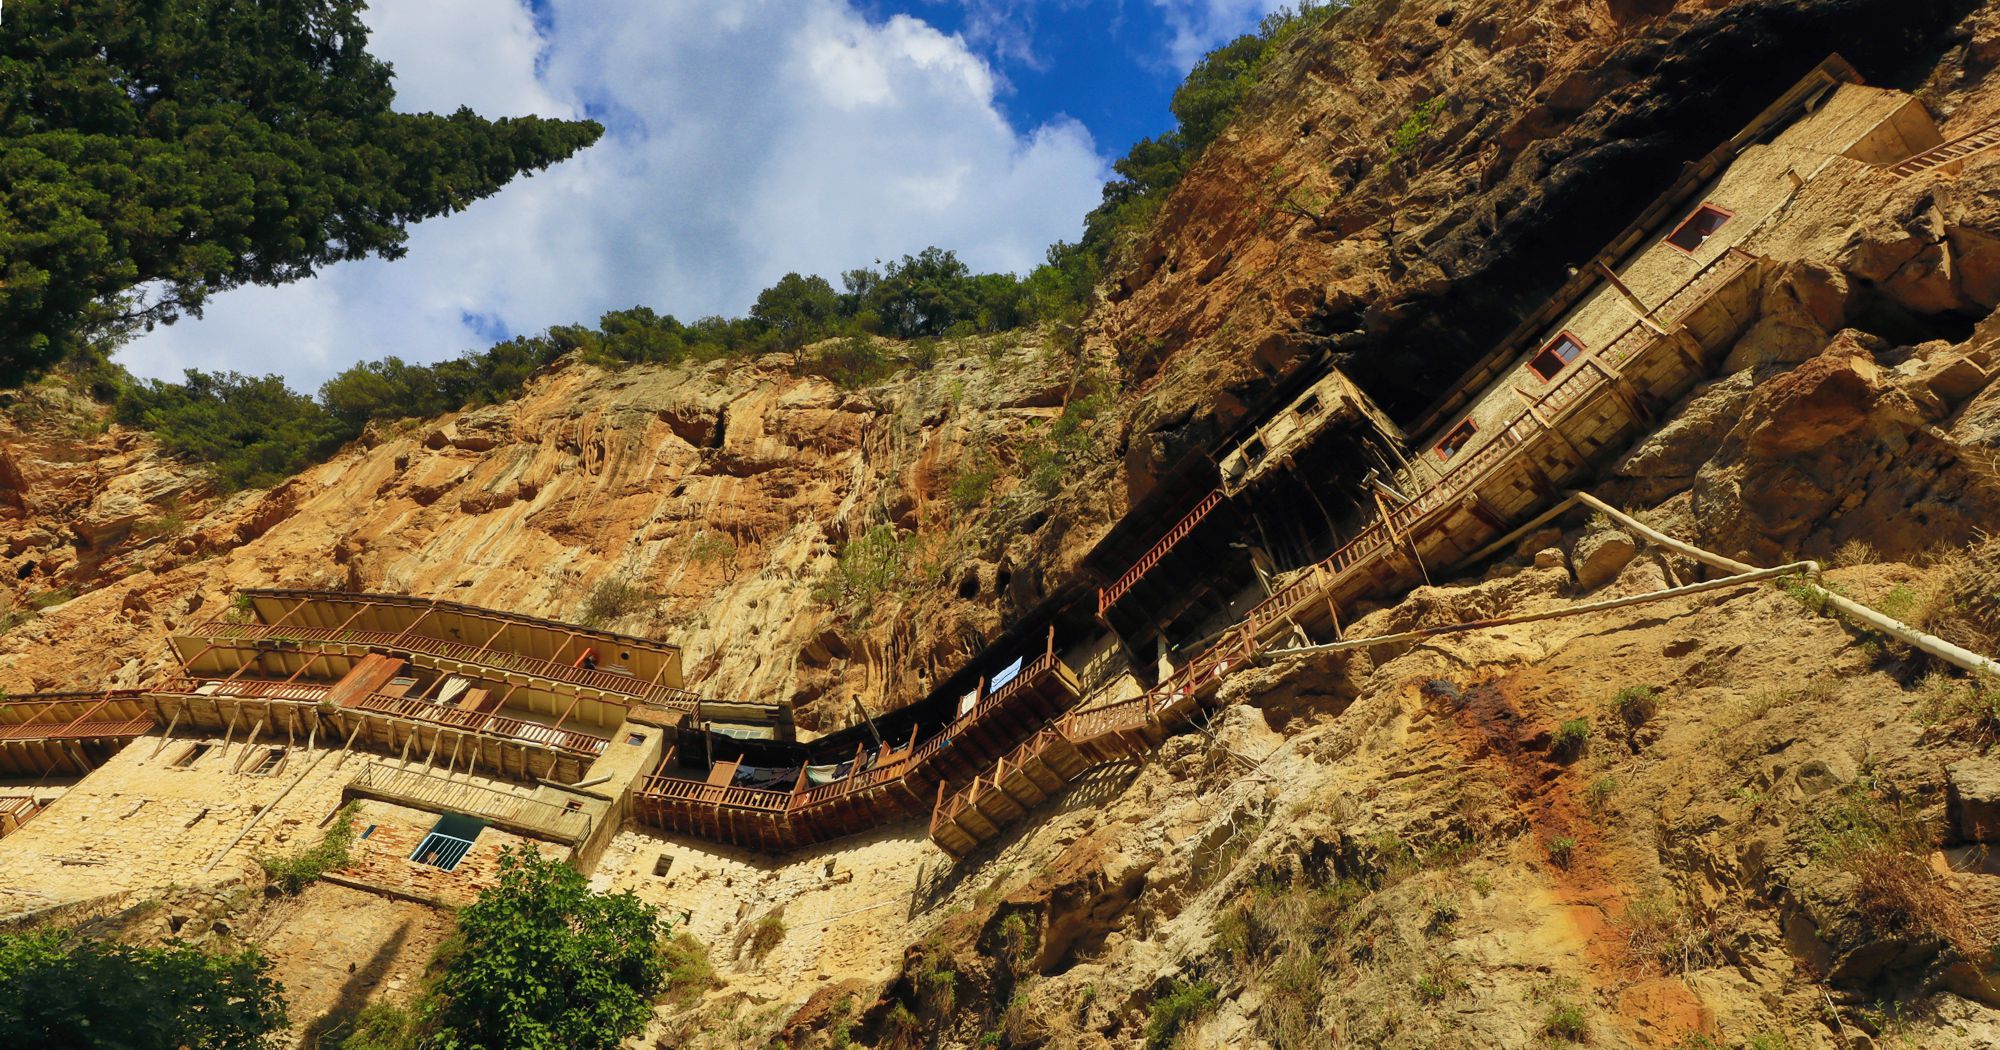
x=610, y=600
x=1636, y=704
x=1413, y=131
x=382, y=1026
x=294, y=873
x=1567, y=1022
x=765, y=936
x=1184, y=1002
x=61, y=990
x=1562, y=851
x=1570, y=738
x=866, y=566
x=689, y=971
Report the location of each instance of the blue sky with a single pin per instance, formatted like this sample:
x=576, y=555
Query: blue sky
x=747, y=139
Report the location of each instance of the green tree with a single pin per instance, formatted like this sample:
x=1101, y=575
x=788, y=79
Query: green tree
x=799, y=309
x=932, y=293
x=153, y=153
x=60, y=990
x=542, y=962
x=251, y=431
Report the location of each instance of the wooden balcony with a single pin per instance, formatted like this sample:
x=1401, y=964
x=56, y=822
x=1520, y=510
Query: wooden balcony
x=516, y=813
x=901, y=787
x=68, y=734
x=448, y=655
x=413, y=731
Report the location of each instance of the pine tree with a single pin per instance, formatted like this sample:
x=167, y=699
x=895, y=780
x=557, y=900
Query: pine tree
x=154, y=152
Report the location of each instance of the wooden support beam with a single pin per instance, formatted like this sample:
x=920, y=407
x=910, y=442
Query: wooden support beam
x=168, y=735
x=248, y=743
x=359, y=724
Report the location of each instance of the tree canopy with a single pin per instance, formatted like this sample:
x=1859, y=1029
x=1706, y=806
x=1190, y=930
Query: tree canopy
x=57, y=989
x=542, y=963
x=153, y=153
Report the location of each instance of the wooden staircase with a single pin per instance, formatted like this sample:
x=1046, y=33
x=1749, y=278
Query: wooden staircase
x=1957, y=149
x=1108, y=596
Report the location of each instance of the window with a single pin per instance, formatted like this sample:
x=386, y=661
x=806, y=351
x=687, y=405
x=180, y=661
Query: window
x=187, y=758
x=572, y=806
x=1309, y=407
x=1457, y=439
x=1253, y=450
x=662, y=865
x=272, y=756
x=635, y=739
x=1561, y=351
x=367, y=831
x=1696, y=229
x=448, y=841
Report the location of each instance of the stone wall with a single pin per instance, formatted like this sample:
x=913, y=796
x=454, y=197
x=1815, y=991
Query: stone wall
x=140, y=821
x=846, y=906
x=381, y=861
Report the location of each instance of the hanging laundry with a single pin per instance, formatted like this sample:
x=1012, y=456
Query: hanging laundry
x=1007, y=674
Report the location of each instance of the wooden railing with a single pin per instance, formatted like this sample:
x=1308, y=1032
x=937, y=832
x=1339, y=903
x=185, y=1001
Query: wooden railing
x=443, y=795
x=248, y=689
x=681, y=789
x=602, y=681
x=1964, y=146
x=1108, y=596
x=890, y=770
x=119, y=727
x=588, y=744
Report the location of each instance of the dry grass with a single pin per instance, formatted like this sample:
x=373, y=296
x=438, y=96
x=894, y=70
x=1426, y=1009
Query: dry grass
x=1886, y=853
x=1855, y=552
x=1670, y=936
x=1960, y=600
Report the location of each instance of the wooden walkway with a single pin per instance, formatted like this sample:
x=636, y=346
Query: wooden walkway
x=1960, y=148
x=1559, y=436
x=901, y=786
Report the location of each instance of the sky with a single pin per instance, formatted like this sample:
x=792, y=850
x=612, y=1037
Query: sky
x=744, y=140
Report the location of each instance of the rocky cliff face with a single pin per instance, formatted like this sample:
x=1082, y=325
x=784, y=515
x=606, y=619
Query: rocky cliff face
x=707, y=504
x=1410, y=182
x=1770, y=829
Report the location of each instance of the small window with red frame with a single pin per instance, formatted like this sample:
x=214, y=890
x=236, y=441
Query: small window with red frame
x=1561, y=351
x=1696, y=229
x=1460, y=436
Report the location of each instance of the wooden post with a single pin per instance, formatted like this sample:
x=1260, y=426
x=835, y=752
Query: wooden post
x=1631, y=299
x=168, y=735
x=248, y=743
x=425, y=615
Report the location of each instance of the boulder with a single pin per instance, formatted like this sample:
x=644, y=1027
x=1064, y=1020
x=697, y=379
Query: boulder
x=1600, y=555
x=1972, y=798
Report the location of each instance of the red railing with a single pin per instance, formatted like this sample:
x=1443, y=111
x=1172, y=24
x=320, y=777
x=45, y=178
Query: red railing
x=482, y=722
x=247, y=689
x=1107, y=596
x=604, y=681
x=76, y=730
x=679, y=789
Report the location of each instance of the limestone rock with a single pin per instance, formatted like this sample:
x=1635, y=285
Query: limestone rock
x=1972, y=798
x=1599, y=556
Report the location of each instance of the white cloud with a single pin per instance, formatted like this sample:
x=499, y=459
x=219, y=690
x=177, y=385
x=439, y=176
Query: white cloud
x=1200, y=26
x=746, y=139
